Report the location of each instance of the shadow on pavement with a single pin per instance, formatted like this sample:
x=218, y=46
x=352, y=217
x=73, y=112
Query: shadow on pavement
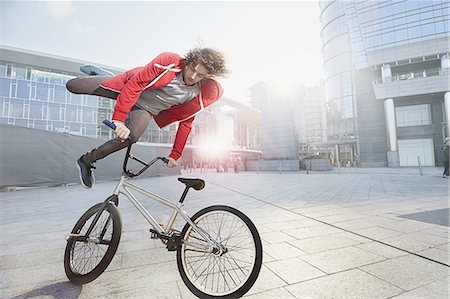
x=60, y=290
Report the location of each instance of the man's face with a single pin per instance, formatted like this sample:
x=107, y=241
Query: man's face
x=193, y=73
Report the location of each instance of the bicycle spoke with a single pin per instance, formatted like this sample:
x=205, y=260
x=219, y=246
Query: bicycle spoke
x=85, y=256
x=225, y=272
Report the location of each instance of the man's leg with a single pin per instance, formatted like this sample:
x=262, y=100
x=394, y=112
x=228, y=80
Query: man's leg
x=137, y=122
x=91, y=85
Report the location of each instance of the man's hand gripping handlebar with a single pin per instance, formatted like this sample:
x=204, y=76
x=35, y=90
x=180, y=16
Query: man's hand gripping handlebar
x=170, y=162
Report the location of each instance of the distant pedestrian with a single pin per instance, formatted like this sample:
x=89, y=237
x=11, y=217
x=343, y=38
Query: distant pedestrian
x=245, y=163
x=236, y=165
x=445, y=150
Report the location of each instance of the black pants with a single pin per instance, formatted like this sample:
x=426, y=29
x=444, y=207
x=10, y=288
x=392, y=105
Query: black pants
x=137, y=119
x=446, y=164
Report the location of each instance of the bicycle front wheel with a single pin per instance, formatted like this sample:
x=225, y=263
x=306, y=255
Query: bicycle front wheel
x=86, y=258
x=228, y=272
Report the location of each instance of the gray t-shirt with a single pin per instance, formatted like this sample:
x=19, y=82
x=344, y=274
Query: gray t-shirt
x=174, y=93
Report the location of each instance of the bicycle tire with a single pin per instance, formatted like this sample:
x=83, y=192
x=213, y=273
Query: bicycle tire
x=246, y=260
x=81, y=268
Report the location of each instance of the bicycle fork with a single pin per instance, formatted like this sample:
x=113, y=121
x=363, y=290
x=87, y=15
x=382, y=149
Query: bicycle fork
x=86, y=238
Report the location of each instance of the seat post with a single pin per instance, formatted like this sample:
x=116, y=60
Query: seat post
x=184, y=194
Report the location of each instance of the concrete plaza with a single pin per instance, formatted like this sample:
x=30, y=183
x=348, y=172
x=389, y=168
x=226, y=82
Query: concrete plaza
x=359, y=233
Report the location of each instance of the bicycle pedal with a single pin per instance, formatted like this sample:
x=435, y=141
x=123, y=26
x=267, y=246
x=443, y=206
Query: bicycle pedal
x=173, y=242
x=154, y=234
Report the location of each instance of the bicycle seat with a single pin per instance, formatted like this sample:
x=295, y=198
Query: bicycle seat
x=197, y=184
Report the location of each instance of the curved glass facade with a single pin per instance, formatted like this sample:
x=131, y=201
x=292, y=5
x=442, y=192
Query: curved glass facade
x=386, y=24
x=338, y=70
x=353, y=30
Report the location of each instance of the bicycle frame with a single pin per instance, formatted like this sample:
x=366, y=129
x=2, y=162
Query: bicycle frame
x=124, y=187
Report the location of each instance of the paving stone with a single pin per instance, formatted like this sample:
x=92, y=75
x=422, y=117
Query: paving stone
x=31, y=259
x=293, y=224
x=408, y=242
x=349, y=284
x=267, y=280
x=294, y=270
x=378, y=232
x=129, y=279
x=147, y=257
x=437, y=255
x=281, y=251
x=445, y=247
x=438, y=231
x=276, y=237
x=313, y=231
x=275, y=293
x=407, y=226
x=322, y=243
x=435, y=290
x=354, y=224
x=354, y=237
x=341, y=259
x=408, y=272
x=55, y=289
x=163, y=291
x=381, y=249
x=336, y=219
x=32, y=275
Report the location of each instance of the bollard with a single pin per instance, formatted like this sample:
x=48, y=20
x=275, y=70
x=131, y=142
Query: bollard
x=339, y=167
x=280, y=168
x=307, y=165
x=257, y=166
x=420, y=165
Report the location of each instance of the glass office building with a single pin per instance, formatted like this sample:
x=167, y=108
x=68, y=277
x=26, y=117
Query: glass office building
x=386, y=79
x=34, y=95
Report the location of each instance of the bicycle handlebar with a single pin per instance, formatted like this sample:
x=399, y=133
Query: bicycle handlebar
x=129, y=172
x=109, y=124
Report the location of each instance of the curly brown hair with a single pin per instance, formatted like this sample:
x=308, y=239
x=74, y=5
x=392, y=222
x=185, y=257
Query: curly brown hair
x=213, y=60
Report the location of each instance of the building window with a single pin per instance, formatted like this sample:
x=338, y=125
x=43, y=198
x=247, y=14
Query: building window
x=414, y=115
x=9, y=70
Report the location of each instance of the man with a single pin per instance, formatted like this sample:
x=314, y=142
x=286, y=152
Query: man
x=170, y=89
x=445, y=150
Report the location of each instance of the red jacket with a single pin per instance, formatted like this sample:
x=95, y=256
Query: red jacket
x=160, y=72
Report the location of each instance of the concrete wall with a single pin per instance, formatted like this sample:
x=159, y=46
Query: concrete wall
x=278, y=134
x=411, y=87
x=417, y=49
x=31, y=157
x=273, y=165
x=371, y=123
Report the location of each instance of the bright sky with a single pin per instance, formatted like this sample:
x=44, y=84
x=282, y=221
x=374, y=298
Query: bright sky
x=263, y=41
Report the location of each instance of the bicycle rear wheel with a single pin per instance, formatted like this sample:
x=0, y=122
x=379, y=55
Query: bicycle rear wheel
x=230, y=272
x=85, y=259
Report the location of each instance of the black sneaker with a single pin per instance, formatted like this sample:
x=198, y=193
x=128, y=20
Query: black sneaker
x=86, y=174
x=93, y=70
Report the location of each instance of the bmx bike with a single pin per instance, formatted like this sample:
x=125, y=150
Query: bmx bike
x=219, y=250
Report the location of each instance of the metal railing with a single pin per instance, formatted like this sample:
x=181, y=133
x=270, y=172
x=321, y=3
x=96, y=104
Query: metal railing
x=412, y=75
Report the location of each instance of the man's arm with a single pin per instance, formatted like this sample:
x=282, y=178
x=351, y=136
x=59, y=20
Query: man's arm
x=184, y=128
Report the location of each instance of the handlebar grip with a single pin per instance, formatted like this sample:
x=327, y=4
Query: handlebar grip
x=164, y=159
x=109, y=124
